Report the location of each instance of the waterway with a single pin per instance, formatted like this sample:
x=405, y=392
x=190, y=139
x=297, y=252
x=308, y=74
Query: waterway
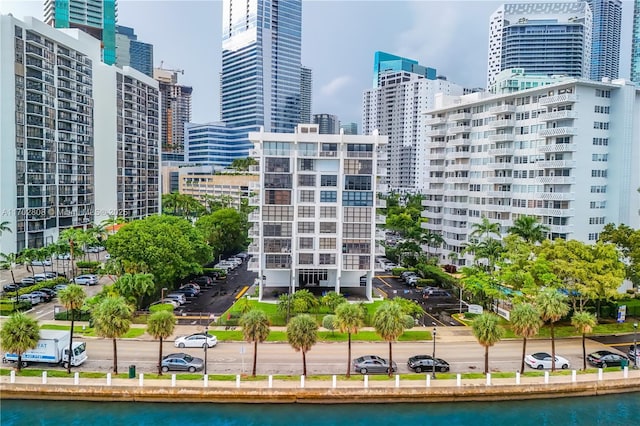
x=610, y=410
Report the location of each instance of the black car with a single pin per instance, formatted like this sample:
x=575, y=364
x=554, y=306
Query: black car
x=11, y=287
x=203, y=280
x=187, y=291
x=420, y=363
x=604, y=359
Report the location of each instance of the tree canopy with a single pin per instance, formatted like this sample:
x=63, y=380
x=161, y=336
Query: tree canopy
x=225, y=230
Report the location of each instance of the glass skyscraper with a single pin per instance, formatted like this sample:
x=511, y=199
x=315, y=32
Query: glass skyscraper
x=132, y=52
x=384, y=62
x=605, y=44
x=95, y=17
x=261, y=64
x=635, y=44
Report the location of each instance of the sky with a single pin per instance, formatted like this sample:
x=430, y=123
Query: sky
x=339, y=38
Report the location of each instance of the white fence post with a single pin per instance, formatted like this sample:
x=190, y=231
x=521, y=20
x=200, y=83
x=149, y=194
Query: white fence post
x=599, y=373
x=237, y=380
x=397, y=380
x=302, y=381
x=428, y=381
x=546, y=377
x=173, y=380
x=517, y=377
x=366, y=381
x=76, y=378
x=13, y=376
x=44, y=377
x=108, y=379
x=488, y=379
x=141, y=380
x=334, y=381
x=574, y=376
x=270, y=381
x=625, y=372
x=206, y=380
x=458, y=380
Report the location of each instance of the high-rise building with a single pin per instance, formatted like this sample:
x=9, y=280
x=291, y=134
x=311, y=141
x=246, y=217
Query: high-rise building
x=605, y=36
x=132, y=52
x=565, y=153
x=79, y=138
x=395, y=107
x=635, y=44
x=541, y=38
x=328, y=124
x=261, y=64
x=516, y=79
x=95, y=17
x=215, y=144
x=175, y=109
x=306, y=90
x=315, y=222
x=349, y=128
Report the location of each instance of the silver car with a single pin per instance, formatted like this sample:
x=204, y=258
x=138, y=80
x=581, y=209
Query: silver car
x=373, y=364
x=182, y=362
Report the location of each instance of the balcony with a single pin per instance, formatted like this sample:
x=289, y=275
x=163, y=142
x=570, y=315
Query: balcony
x=556, y=164
x=501, y=165
x=502, y=109
x=557, y=115
x=501, y=151
x=557, y=131
x=559, y=99
x=501, y=137
x=253, y=249
x=556, y=180
x=556, y=196
x=458, y=129
x=381, y=204
x=460, y=116
x=501, y=124
x=558, y=147
x=500, y=179
x=382, y=187
x=552, y=212
x=254, y=216
x=434, y=121
x=431, y=214
x=458, y=154
x=382, y=156
x=458, y=141
x=436, y=132
x=436, y=144
x=381, y=219
x=254, y=264
x=458, y=167
x=254, y=201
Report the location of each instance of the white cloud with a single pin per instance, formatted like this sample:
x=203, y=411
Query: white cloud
x=333, y=86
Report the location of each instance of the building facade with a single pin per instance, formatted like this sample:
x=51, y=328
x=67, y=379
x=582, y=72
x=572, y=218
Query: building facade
x=385, y=63
x=395, y=109
x=261, y=64
x=605, y=38
x=565, y=153
x=95, y=17
x=542, y=38
x=175, y=109
x=328, y=124
x=635, y=44
x=132, y=52
x=204, y=186
x=349, y=128
x=306, y=92
x=516, y=79
x=315, y=222
x=215, y=144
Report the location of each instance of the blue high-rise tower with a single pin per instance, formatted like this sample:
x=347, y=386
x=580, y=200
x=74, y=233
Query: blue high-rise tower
x=635, y=44
x=261, y=64
x=605, y=38
x=383, y=62
x=132, y=52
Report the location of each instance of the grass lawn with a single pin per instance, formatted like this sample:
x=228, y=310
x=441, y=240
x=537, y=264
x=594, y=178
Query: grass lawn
x=326, y=336
x=88, y=331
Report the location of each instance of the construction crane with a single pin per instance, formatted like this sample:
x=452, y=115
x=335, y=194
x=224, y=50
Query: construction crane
x=172, y=70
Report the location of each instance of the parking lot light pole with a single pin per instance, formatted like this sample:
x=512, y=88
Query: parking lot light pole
x=433, y=369
x=162, y=293
x=635, y=345
x=206, y=345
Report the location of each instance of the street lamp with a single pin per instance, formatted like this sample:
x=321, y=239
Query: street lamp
x=635, y=345
x=162, y=292
x=433, y=370
x=206, y=345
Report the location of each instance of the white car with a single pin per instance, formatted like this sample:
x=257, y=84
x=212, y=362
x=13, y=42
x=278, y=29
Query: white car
x=87, y=279
x=172, y=302
x=64, y=256
x=542, y=360
x=45, y=262
x=179, y=297
x=197, y=340
x=33, y=298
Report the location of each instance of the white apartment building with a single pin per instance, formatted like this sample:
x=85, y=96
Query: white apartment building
x=566, y=153
x=60, y=164
x=395, y=109
x=315, y=222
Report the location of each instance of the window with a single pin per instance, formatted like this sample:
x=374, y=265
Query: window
x=356, y=262
x=361, y=247
x=358, y=167
x=327, y=243
x=306, y=227
x=598, y=204
x=357, y=230
x=596, y=220
x=307, y=196
x=306, y=149
x=351, y=198
x=598, y=173
x=306, y=211
x=599, y=189
x=357, y=183
x=305, y=258
x=276, y=165
x=307, y=165
x=277, y=245
x=277, y=148
x=328, y=196
x=274, y=261
x=327, y=259
x=277, y=213
x=327, y=227
x=600, y=125
x=277, y=197
x=277, y=229
x=277, y=180
x=599, y=157
x=305, y=243
x=601, y=109
x=603, y=93
x=601, y=141
x=327, y=212
x=306, y=180
x=357, y=214
x=593, y=236
x=328, y=180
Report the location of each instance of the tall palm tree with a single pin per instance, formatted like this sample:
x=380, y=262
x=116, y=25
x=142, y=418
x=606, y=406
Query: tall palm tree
x=553, y=306
x=112, y=319
x=485, y=228
x=431, y=239
x=529, y=229
x=486, y=327
x=389, y=323
x=161, y=325
x=4, y=227
x=584, y=322
x=255, y=328
x=76, y=238
x=19, y=334
x=349, y=318
x=72, y=297
x=302, y=334
x=525, y=322
x=27, y=256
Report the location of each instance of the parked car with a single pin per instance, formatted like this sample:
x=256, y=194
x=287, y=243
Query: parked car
x=45, y=276
x=179, y=297
x=604, y=359
x=10, y=287
x=436, y=293
x=166, y=300
x=542, y=360
x=59, y=287
x=182, y=362
x=49, y=291
x=187, y=291
x=87, y=279
x=389, y=266
x=44, y=296
x=420, y=363
x=45, y=262
x=412, y=280
x=203, y=280
x=632, y=351
x=64, y=256
x=197, y=340
x=33, y=298
x=193, y=286
x=27, y=281
x=94, y=249
x=373, y=364
x=242, y=255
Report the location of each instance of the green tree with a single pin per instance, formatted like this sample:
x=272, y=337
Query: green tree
x=243, y=164
x=525, y=322
x=304, y=301
x=627, y=240
x=72, y=297
x=134, y=287
x=332, y=300
x=112, y=319
x=349, y=319
x=76, y=239
x=484, y=229
x=255, y=329
x=552, y=306
x=168, y=247
x=388, y=321
x=529, y=229
x=487, y=330
x=160, y=325
x=584, y=322
x=410, y=307
x=329, y=322
x=225, y=230
x=19, y=334
x=302, y=334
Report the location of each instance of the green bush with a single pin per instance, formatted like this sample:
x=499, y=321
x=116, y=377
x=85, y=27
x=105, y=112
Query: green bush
x=161, y=307
x=66, y=316
x=397, y=271
x=408, y=321
x=438, y=275
x=425, y=282
x=7, y=307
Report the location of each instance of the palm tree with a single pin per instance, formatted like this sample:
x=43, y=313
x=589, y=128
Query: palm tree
x=72, y=297
x=349, y=318
x=486, y=327
x=525, y=322
x=255, y=328
x=75, y=238
x=4, y=227
x=19, y=334
x=27, y=256
x=134, y=287
x=112, y=319
x=302, y=334
x=389, y=324
x=529, y=229
x=553, y=306
x=584, y=322
x=431, y=239
x=485, y=228
x=160, y=325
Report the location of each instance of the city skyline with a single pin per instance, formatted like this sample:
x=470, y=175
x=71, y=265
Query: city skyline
x=405, y=28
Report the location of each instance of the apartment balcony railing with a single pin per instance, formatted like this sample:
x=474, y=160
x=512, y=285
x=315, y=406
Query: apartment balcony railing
x=558, y=147
x=459, y=116
x=558, y=99
x=556, y=180
x=556, y=196
x=501, y=137
x=500, y=124
x=502, y=109
x=557, y=115
x=433, y=121
x=557, y=131
x=556, y=164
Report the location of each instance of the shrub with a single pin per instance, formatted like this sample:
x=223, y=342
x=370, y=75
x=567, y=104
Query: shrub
x=397, y=271
x=87, y=264
x=161, y=307
x=425, y=282
x=409, y=321
x=438, y=275
x=66, y=316
x=329, y=322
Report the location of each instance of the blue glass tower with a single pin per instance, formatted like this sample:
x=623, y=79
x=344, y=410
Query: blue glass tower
x=635, y=44
x=132, y=52
x=605, y=38
x=261, y=64
x=383, y=61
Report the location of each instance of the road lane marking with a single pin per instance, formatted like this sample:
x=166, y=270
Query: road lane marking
x=384, y=282
x=384, y=293
x=243, y=291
